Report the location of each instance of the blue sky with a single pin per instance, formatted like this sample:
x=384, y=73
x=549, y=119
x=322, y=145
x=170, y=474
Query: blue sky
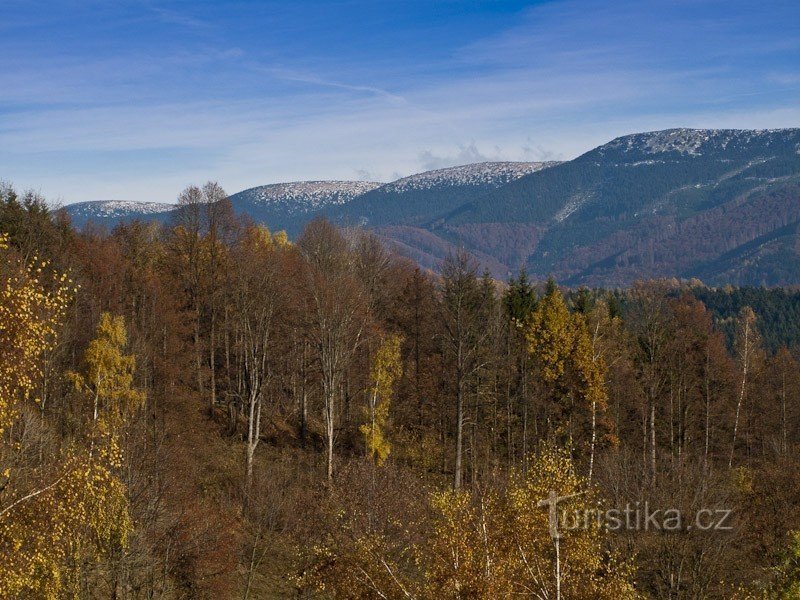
x=135, y=99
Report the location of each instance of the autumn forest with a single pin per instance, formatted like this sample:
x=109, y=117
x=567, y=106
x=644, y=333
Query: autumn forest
x=208, y=409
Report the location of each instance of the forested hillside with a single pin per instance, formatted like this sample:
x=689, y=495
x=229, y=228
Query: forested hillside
x=206, y=409
x=717, y=204
x=777, y=311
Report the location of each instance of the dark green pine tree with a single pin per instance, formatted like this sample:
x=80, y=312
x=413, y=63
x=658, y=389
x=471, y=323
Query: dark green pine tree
x=520, y=300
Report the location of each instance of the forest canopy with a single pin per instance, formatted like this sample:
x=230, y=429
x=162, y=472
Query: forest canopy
x=207, y=409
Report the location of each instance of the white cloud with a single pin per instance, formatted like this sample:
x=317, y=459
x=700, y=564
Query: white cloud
x=465, y=155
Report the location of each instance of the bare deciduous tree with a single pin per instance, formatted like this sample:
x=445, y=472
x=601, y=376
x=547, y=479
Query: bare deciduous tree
x=464, y=330
x=338, y=314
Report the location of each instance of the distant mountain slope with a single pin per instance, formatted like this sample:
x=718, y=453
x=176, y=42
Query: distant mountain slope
x=291, y=205
x=645, y=205
x=424, y=197
x=722, y=205
x=110, y=213
x=666, y=170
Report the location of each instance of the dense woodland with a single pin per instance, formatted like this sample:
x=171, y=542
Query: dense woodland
x=209, y=410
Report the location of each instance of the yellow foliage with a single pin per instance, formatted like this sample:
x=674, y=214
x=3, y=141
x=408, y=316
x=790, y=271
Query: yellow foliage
x=550, y=333
x=495, y=545
x=561, y=346
x=487, y=545
x=386, y=369
x=82, y=513
x=589, y=366
x=281, y=239
x=743, y=479
x=29, y=317
x=108, y=378
x=422, y=449
x=73, y=507
x=260, y=236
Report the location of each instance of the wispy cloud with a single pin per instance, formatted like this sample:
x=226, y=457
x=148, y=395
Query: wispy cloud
x=223, y=99
x=317, y=80
x=175, y=17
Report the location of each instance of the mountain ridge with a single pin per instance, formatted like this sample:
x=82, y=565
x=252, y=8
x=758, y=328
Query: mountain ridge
x=676, y=202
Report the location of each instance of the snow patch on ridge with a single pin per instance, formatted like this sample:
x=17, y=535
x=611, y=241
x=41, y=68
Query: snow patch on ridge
x=486, y=173
x=692, y=142
x=117, y=208
x=305, y=196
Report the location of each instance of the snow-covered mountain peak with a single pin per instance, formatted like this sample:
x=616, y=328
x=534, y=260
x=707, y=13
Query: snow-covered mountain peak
x=696, y=142
x=112, y=209
x=486, y=173
x=304, y=196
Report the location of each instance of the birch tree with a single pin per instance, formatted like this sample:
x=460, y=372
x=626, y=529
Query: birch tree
x=337, y=316
x=257, y=310
x=386, y=369
x=747, y=346
x=58, y=517
x=650, y=324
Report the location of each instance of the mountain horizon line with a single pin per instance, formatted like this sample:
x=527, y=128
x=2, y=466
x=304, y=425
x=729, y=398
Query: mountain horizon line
x=378, y=183
x=721, y=205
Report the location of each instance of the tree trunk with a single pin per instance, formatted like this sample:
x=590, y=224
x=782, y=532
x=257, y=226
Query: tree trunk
x=594, y=439
x=783, y=412
x=745, y=360
x=459, y=433
x=330, y=393
x=558, y=567
x=253, y=437
x=329, y=429
x=304, y=395
x=525, y=409
x=197, y=354
x=653, y=439
x=212, y=360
